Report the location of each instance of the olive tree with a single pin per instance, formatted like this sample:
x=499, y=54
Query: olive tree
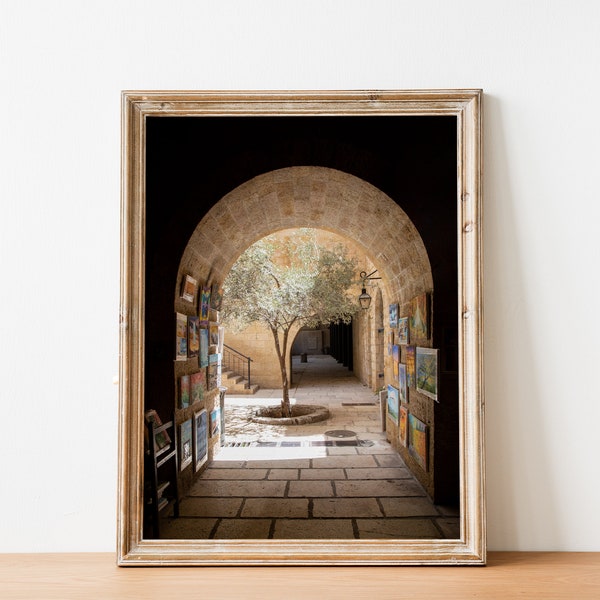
x=289, y=281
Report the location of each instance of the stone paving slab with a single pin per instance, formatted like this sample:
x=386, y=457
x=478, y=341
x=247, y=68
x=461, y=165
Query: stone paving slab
x=381, y=473
x=389, y=460
x=233, y=489
x=210, y=507
x=408, y=507
x=377, y=488
x=287, y=474
x=396, y=529
x=343, y=462
x=346, y=507
x=314, y=529
x=279, y=464
x=187, y=528
x=212, y=473
x=245, y=529
x=310, y=489
x=322, y=474
x=275, y=507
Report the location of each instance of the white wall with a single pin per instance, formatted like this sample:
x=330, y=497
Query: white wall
x=62, y=67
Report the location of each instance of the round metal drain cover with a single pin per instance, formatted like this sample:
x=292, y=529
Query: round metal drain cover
x=340, y=433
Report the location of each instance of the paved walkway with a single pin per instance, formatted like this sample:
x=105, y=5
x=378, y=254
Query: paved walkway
x=339, y=479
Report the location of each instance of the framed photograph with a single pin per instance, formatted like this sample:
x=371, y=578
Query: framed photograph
x=403, y=426
x=189, y=287
x=418, y=441
x=181, y=336
x=329, y=160
x=185, y=444
x=193, y=336
x=403, y=337
x=427, y=371
x=402, y=385
x=393, y=403
x=393, y=309
x=200, y=438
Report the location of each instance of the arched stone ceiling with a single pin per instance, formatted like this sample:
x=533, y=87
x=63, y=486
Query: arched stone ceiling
x=320, y=198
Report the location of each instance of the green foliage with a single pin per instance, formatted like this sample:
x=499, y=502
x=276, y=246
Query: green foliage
x=288, y=281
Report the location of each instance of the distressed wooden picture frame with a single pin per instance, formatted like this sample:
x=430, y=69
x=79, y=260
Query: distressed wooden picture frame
x=470, y=547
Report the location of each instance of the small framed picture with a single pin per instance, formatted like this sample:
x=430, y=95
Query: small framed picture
x=197, y=385
x=185, y=444
x=403, y=337
x=184, y=391
x=193, y=336
x=393, y=315
x=402, y=383
x=200, y=438
x=427, y=372
x=392, y=403
x=189, y=287
x=181, y=336
x=215, y=422
x=403, y=426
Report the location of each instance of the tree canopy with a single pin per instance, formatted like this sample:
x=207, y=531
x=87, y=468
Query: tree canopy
x=289, y=280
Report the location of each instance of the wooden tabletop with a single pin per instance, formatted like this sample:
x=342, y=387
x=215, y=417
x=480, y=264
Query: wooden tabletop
x=527, y=575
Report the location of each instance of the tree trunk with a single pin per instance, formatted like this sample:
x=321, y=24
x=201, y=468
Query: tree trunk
x=286, y=409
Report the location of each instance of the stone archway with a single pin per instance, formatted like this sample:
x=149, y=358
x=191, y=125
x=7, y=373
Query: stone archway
x=320, y=198
x=316, y=197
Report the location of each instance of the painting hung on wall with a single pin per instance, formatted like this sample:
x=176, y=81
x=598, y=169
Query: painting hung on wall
x=181, y=334
x=203, y=358
x=402, y=386
x=390, y=342
x=395, y=359
x=409, y=359
x=193, y=336
x=427, y=372
x=200, y=438
x=394, y=315
x=204, y=305
x=197, y=385
x=189, y=286
x=185, y=444
x=403, y=337
x=403, y=425
x=417, y=440
x=216, y=296
x=419, y=318
x=184, y=391
x=215, y=421
x=392, y=403
x=213, y=333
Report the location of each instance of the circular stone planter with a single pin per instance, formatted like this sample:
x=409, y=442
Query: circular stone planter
x=302, y=414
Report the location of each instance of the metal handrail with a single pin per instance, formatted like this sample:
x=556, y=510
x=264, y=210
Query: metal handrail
x=238, y=363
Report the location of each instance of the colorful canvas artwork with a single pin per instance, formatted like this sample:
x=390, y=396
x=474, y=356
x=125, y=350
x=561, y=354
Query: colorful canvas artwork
x=409, y=359
x=402, y=385
x=215, y=422
x=392, y=403
x=193, y=336
x=162, y=439
x=197, y=385
x=390, y=343
x=403, y=328
x=393, y=315
x=184, y=391
x=181, y=337
x=200, y=438
x=419, y=318
x=185, y=444
x=212, y=376
x=427, y=371
x=403, y=425
x=395, y=359
x=204, y=305
x=189, y=286
x=417, y=441
x=213, y=333
x=203, y=357
x=216, y=296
